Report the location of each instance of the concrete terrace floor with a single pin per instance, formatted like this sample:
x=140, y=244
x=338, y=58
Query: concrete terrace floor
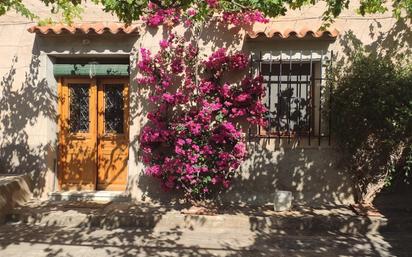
x=124, y=229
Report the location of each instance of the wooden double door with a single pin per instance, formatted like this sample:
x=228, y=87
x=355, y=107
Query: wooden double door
x=94, y=129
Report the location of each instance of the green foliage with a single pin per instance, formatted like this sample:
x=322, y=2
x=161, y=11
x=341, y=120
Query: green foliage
x=132, y=10
x=70, y=9
x=373, y=106
x=372, y=6
x=126, y=10
x=16, y=5
x=378, y=6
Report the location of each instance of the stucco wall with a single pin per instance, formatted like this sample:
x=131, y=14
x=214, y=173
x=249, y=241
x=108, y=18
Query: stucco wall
x=28, y=103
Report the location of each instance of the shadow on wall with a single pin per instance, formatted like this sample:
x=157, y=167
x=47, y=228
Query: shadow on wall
x=390, y=238
x=397, y=42
x=314, y=175
x=307, y=173
x=20, y=109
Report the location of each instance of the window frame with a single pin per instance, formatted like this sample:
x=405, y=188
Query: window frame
x=321, y=62
x=312, y=89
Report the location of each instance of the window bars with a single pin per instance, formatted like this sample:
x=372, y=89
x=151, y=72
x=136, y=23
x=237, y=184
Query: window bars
x=79, y=108
x=113, y=109
x=298, y=95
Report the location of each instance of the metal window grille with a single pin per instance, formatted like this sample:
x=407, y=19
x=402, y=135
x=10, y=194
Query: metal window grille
x=114, y=109
x=298, y=95
x=79, y=108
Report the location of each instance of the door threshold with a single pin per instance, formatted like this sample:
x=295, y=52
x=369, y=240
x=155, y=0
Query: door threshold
x=95, y=196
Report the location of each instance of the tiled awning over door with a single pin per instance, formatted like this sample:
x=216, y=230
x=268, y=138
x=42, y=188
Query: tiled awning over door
x=86, y=28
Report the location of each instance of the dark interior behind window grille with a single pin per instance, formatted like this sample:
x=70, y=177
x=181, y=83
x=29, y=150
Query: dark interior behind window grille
x=79, y=108
x=289, y=95
x=298, y=95
x=114, y=109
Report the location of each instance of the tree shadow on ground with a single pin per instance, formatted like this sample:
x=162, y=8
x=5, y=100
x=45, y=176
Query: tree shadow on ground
x=395, y=203
x=113, y=229
x=124, y=229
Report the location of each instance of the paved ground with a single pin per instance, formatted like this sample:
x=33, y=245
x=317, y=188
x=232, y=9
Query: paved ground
x=34, y=241
x=73, y=230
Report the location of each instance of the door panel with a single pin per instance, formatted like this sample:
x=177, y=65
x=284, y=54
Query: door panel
x=78, y=140
x=94, y=133
x=113, y=134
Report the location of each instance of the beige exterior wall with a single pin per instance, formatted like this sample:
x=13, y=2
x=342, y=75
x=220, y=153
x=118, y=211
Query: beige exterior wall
x=28, y=102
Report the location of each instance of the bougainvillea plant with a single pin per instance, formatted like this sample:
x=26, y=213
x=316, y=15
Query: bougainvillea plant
x=193, y=141
x=156, y=15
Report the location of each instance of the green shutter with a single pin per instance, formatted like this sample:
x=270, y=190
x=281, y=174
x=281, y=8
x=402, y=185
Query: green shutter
x=91, y=69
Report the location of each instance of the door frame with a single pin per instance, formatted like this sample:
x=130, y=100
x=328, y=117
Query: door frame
x=96, y=83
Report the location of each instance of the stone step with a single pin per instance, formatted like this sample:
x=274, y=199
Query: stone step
x=97, y=196
x=126, y=215
x=14, y=191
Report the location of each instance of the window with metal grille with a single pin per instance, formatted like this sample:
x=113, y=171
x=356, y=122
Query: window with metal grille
x=297, y=94
x=114, y=109
x=79, y=108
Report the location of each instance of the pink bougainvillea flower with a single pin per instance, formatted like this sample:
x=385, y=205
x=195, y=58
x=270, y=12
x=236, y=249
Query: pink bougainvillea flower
x=188, y=23
x=170, y=182
x=206, y=87
x=177, y=66
x=243, y=97
x=196, y=148
x=191, y=12
x=180, y=141
x=179, y=150
x=240, y=150
x=169, y=98
x=154, y=20
x=192, y=51
x=152, y=6
x=212, y=3
x=244, y=18
x=194, y=128
x=239, y=61
x=225, y=90
x=164, y=44
x=154, y=170
x=217, y=61
x=226, y=183
x=215, y=180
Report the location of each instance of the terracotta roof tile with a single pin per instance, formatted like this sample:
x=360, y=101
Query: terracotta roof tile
x=272, y=30
x=85, y=28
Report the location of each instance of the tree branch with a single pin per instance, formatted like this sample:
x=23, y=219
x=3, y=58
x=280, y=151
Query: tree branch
x=161, y=6
x=158, y=3
x=241, y=6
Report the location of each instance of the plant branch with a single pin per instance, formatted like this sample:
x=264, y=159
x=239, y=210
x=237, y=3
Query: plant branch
x=236, y=3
